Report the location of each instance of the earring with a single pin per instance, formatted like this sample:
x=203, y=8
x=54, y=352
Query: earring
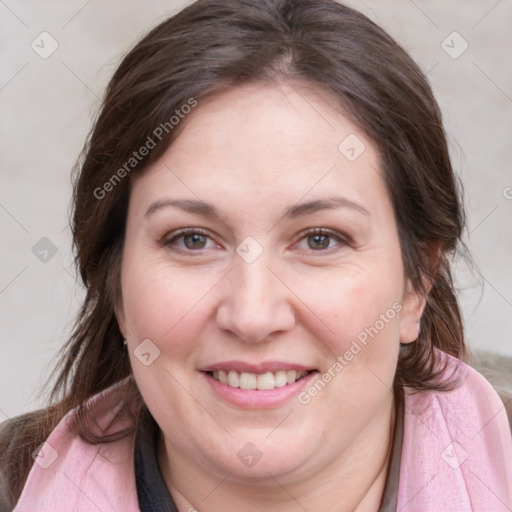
x=125, y=343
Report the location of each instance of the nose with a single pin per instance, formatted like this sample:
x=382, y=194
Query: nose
x=255, y=305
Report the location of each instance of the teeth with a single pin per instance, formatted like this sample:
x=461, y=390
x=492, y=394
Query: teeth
x=291, y=376
x=266, y=381
x=280, y=379
x=234, y=379
x=247, y=380
x=261, y=381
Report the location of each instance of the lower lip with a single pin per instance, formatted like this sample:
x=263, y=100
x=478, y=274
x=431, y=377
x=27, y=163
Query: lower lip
x=254, y=398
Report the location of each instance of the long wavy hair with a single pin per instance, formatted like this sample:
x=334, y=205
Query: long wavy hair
x=209, y=46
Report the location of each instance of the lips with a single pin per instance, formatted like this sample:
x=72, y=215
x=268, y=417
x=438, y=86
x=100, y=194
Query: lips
x=263, y=367
x=257, y=398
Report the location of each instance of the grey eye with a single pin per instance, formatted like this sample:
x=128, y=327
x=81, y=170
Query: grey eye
x=195, y=241
x=318, y=241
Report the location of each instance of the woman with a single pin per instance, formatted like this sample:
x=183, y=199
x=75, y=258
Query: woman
x=263, y=218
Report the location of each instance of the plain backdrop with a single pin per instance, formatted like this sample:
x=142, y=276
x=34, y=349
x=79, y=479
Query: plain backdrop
x=47, y=103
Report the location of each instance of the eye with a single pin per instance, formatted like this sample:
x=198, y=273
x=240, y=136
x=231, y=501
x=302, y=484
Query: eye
x=320, y=240
x=195, y=241
x=191, y=239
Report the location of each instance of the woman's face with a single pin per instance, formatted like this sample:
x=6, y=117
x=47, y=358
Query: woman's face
x=290, y=264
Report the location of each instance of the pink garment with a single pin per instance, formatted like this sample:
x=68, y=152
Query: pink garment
x=456, y=456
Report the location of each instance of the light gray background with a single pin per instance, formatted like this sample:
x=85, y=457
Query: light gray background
x=47, y=107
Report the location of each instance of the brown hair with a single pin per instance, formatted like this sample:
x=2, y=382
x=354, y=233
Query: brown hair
x=212, y=45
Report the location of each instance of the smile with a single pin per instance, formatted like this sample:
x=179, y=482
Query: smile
x=253, y=385
x=260, y=381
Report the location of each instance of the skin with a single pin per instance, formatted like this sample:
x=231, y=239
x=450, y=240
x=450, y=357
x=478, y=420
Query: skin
x=253, y=151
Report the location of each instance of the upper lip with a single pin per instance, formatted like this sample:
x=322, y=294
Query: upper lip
x=263, y=367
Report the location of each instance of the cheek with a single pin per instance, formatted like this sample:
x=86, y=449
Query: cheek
x=165, y=305
x=353, y=305
x=357, y=317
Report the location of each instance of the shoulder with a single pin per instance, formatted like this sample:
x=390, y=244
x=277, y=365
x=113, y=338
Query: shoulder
x=6, y=501
x=457, y=442
x=470, y=410
x=497, y=370
x=92, y=445
x=17, y=436
x=476, y=399
x=470, y=413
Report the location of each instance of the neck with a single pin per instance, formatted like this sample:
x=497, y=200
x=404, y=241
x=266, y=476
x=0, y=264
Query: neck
x=353, y=481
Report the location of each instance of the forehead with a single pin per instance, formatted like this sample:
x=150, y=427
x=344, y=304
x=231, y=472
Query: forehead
x=276, y=143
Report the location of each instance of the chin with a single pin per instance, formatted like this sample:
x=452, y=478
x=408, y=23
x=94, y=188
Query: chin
x=263, y=455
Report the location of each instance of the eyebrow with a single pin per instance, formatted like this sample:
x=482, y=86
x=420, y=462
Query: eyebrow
x=189, y=205
x=297, y=210
x=329, y=203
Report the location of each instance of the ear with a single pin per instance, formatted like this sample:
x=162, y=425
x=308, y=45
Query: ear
x=414, y=302
x=413, y=306
x=117, y=299
x=119, y=314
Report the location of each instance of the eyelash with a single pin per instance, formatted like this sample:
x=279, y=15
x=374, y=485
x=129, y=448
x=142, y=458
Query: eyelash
x=182, y=233
x=342, y=241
